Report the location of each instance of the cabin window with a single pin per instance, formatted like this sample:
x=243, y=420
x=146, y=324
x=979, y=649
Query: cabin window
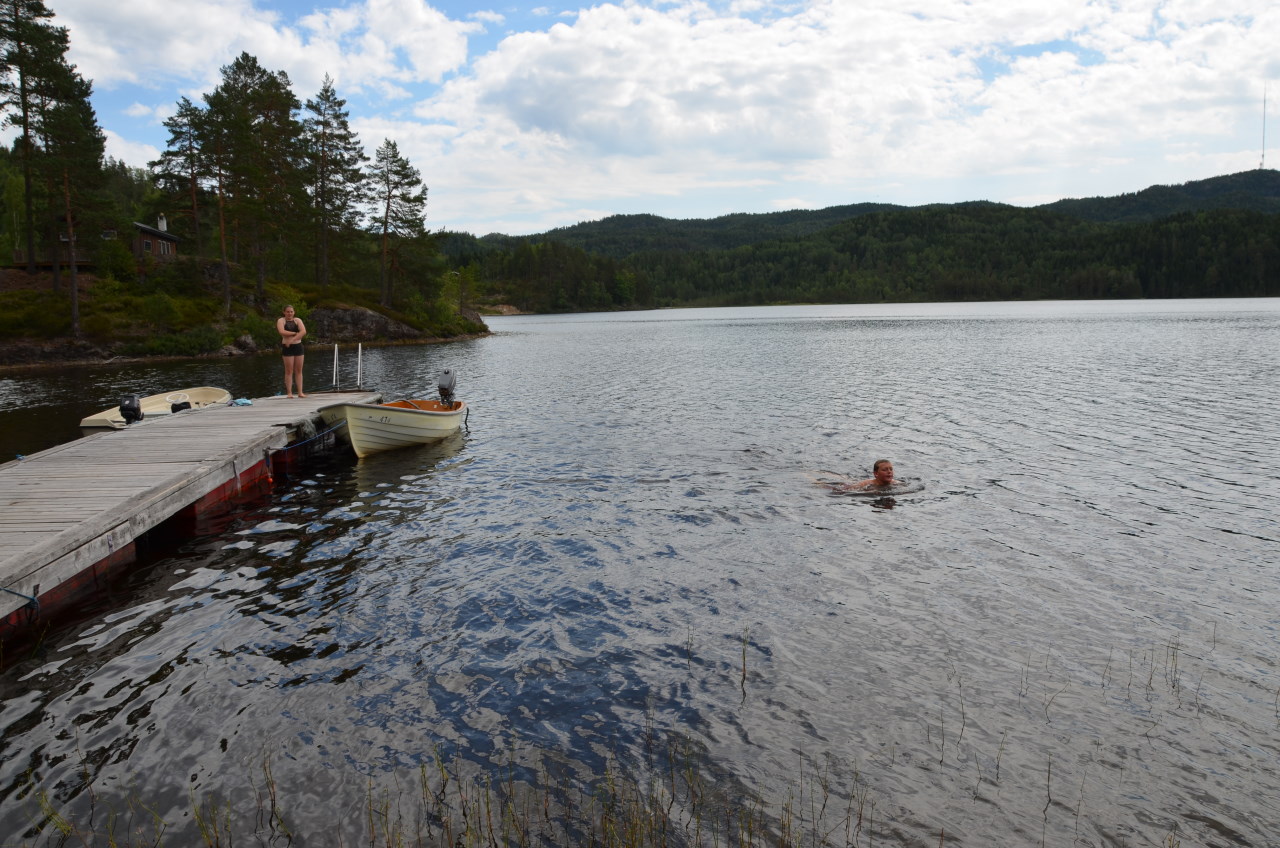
x=146, y=245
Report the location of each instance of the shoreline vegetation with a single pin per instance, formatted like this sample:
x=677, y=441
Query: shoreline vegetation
x=261, y=198
x=123, y=325
x=447, y=803
x=1213, y=238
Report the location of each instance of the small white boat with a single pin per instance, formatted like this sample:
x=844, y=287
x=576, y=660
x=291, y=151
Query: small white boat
x=376, y=427
x=153, y=406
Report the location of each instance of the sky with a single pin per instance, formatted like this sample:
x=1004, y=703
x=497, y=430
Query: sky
x=525, y=116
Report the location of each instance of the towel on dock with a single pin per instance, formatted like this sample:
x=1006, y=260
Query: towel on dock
x=242, y=402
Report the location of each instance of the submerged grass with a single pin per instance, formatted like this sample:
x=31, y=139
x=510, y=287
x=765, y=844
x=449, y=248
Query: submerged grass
x=442, y=806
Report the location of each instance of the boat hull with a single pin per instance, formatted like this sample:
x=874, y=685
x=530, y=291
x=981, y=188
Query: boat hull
x=154, y=406
x=377, y=427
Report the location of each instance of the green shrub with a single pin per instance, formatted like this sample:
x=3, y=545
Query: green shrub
x=182, y=276
x=196, y=311
x=34, y=314
x=280, y=296
x=262, y=330
x=191, y=343
x=159, y=310
x=114, y=259
x=343, y=296
x=98, y=327
x=106, y=287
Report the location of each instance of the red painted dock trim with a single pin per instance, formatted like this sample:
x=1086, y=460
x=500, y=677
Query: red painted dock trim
x=249, y=484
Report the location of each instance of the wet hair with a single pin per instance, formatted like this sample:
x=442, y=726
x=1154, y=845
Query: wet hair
x=875, y=465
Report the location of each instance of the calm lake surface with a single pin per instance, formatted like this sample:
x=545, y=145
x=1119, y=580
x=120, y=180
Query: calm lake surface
x=1067, y=636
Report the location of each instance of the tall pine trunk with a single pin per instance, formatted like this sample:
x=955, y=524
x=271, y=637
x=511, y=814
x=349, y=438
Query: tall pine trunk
x=195, y=217
x=71, y=252
x=222, y=244
x=28, y=204
x=385, y=274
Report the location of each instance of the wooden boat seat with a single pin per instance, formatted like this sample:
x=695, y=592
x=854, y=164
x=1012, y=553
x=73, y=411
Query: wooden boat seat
x=424, y=405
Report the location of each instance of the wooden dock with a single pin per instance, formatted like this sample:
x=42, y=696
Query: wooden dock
x=71, y=510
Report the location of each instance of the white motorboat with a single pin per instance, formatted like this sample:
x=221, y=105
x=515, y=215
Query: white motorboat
x=376, y=427
x=133, y=408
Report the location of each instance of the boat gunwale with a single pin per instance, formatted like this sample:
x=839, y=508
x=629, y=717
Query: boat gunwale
x=440, y=413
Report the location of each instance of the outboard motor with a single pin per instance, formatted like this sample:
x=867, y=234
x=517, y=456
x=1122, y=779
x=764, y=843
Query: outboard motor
x=131, y=409
x=446, y=386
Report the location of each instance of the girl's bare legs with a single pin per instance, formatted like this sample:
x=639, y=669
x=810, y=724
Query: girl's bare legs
x=297, y=368
x=288, y=376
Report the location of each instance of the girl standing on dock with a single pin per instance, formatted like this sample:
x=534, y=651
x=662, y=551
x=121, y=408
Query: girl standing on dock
x=291, y=330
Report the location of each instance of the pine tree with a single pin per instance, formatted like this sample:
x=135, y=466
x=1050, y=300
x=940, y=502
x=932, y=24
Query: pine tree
x=335, y=172
x=252, y=119
x=30, y=50
x=213, y=132
x=182, y=166
x=74, y=145
x=401, y=208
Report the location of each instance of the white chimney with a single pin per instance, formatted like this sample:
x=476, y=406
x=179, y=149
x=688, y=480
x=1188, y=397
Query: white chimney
x=162, y=224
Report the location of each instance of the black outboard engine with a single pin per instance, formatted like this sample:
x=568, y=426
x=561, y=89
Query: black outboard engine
x=446, y=386
x=131, y=408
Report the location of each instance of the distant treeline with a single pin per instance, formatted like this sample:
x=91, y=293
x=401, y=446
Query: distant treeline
x=1148, y=244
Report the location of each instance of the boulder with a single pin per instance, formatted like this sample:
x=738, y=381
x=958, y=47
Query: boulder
x=356, y=324
x=37, y=351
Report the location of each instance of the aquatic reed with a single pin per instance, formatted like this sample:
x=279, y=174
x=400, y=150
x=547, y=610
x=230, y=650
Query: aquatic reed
x=676, y=806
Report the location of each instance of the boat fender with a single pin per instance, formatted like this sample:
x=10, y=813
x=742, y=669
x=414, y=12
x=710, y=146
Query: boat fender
x=131, y=409
x=178, y=407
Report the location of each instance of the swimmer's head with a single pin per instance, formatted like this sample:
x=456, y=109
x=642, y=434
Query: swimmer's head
x=882, y=471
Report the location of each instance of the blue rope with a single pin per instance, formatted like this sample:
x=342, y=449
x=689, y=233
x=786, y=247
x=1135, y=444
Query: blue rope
x=32, y=601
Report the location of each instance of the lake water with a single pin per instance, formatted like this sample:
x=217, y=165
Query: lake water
x=1065, y=635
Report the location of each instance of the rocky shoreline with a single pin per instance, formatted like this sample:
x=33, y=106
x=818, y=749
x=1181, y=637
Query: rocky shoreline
x=326, y=326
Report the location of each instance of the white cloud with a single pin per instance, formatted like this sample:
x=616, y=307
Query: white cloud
x=381, y=45
x=129, y=151
x=670, y=105
x=631, y=100
x=148, y=43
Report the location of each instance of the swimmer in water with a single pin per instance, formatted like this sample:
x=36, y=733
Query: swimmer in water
x=882, y=473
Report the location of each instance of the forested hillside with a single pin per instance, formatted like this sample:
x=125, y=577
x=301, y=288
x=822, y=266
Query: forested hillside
x=270, y=199
x=258, y=199
x=1255, y=191
x=1213, y=238
x=620, y=236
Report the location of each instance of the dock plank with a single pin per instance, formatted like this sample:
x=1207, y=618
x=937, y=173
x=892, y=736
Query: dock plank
x=70, y=506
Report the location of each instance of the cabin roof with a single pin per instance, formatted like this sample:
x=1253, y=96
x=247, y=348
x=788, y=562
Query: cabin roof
x=152, y=231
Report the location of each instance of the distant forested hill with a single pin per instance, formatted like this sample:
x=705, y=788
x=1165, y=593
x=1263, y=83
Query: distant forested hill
x=982, y=251
x=620, y=236
x=1212, y=238
x=1257, y=191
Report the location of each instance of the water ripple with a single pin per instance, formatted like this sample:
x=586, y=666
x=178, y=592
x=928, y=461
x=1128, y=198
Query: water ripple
x=1067, y=633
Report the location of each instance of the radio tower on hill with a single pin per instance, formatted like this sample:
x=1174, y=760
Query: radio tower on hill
x=1263, y=164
